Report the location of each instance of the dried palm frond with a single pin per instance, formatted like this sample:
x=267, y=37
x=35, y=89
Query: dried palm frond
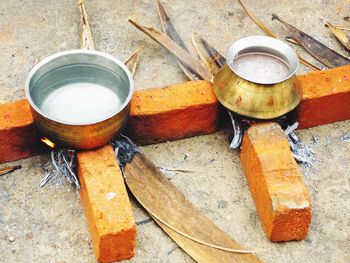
x=175, y=49
x=321, y=52
x=210, y=57
x=86, y=41
x=133, y=60
x=343, y=37
x=170, y=31
x=271, y=34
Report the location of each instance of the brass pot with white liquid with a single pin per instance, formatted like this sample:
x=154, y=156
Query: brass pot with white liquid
x=80, y=99
x=259, y=79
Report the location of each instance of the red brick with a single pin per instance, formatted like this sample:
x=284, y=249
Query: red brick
x=174, y=112
x=107, y=206
x=183, y=110
x=18, y=135
x=277, y=187
x=326, y=97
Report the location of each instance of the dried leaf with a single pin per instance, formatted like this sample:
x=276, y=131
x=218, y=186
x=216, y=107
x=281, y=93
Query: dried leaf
x=86, y=41
x=340, y=35
x=322, y=53
x=170, y=31
x=168, y=26
x=271, y=34
x=257, y=21
x=133, y=60
x=175, y=49
x=342, y=27
x=199, y=237
x=210, y=57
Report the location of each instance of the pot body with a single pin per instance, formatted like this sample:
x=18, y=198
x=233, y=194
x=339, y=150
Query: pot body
x=260, y=101
x=253, y=97
x=81, y=137
x=83, y=70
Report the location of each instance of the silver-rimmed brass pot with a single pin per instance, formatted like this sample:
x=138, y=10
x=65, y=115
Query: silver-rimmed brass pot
x=251, y=97
x=80, y=99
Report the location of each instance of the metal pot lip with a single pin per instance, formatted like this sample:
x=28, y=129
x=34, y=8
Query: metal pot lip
x=73, y=52
x=267, y=45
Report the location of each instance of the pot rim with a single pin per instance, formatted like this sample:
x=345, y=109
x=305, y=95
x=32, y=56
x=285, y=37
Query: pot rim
x=86, y=52
x=267, y=45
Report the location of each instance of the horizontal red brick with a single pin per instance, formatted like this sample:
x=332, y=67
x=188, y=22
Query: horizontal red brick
x=107, y=206
x=326, y=97
x=280, y=195
x=18, y=135
x=174, y=112
x=183, y=110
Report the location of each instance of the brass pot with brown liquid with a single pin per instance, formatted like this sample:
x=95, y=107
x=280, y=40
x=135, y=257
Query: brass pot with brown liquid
x=258, y=80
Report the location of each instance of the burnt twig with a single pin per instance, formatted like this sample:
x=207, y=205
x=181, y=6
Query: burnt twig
x=9, y=169
x=64, y=164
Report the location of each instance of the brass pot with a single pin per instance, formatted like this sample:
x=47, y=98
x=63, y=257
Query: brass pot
x=80, y=99
x=253, y=98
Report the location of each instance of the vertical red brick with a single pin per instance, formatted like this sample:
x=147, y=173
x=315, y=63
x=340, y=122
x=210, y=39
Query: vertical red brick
x=277, y=187
x=107, y=206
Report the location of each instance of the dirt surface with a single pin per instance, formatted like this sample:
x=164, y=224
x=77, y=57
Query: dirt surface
x=48, y=224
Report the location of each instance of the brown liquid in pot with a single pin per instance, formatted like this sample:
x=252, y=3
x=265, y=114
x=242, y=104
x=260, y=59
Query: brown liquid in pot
x=260, y=67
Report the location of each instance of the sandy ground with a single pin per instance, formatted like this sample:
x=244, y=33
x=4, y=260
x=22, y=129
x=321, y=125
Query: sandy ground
x=48, y=224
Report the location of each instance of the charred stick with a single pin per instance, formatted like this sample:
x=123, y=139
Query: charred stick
x=45, y=179
x=63, y=162
x=322, y=53
x=72, y=175
x=9, y=169
x=175, y=49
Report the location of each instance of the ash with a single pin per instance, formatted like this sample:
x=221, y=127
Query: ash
x=302, y=152
x=63, y=169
